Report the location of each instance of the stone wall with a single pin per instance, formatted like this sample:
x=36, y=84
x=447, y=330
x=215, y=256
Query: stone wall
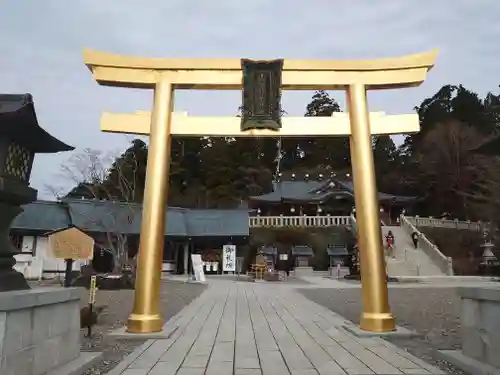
x=39, y=330
x=480, y=321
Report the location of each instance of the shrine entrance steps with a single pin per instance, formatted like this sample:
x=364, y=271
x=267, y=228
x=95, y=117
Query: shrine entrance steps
x=407, y=260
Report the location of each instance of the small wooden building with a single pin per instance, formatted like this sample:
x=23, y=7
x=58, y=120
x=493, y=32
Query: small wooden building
x=270, y=253
x=302, y=254
x=337, y=254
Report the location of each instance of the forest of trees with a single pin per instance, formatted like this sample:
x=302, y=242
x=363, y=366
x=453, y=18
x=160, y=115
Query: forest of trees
x=436, y=164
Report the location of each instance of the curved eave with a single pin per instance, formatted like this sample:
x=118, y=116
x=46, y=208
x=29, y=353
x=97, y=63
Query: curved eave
x=397, y=199
x=339, y=250
x=319, y=198
x=269, y=250
x=52, y=144
x=20, y=124
x=270, y=197
x=104, y=59
x=302, y=250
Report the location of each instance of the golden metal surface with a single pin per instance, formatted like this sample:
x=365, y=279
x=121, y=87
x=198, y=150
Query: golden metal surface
x=145, y=315
x=376, y=314
x=184, y=125
x=98, y=58
x=291, y=80
x=165, y=75
x=221, y=74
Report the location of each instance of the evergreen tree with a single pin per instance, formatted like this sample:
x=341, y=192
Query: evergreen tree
x=455, y=103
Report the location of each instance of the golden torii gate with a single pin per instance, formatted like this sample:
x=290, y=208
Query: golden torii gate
x=166, y=75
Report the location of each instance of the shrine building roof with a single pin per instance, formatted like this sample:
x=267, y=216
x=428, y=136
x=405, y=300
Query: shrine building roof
x=318, y=191
x=99, y=216
x=302, y=250
x=336, y=250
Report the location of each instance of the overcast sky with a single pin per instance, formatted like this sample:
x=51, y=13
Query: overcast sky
x=41, y=46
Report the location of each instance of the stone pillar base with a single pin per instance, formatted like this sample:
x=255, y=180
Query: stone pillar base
x=303, y=271
x=480, y=331
x=40, y=332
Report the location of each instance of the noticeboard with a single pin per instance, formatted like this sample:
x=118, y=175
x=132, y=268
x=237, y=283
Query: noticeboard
x=71, y=243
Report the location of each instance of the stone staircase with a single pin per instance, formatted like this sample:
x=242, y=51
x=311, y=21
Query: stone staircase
x=408, y=260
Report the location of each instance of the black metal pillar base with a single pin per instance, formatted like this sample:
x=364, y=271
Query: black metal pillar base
x=10, y=279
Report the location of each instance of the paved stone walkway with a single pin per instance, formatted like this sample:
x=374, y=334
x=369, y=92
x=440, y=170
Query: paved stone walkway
x=264, y=329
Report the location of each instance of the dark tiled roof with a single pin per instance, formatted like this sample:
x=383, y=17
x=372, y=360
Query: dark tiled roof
x=106, y=216
x=290, y=190
x=125, y=218
x=225, y=223
x=302, y=250
x=336, y=250
x=42, y=216
x=269, y=250
x=317, y=191
x=349, y=186
x=18, y=122
x=102, y=216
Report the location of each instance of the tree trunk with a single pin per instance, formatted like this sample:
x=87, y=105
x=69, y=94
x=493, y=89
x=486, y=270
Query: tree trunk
x=121, y=253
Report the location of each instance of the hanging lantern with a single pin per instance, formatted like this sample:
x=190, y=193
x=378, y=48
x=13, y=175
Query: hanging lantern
x=261, y=94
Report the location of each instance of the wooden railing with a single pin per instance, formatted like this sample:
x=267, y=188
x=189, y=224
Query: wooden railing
x=297, y=221
x=443, y=223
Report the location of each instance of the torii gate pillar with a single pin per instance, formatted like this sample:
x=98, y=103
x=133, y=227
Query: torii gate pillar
x=165, y=75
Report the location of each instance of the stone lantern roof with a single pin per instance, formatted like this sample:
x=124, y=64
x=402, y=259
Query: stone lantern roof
x=19, y=123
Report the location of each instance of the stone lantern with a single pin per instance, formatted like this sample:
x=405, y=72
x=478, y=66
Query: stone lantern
x=20, y=139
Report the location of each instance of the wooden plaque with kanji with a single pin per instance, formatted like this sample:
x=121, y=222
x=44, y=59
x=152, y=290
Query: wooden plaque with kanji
x=71, y=243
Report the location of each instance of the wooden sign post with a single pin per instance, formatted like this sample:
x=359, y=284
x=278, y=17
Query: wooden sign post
x=70, y=244
x=92, y=293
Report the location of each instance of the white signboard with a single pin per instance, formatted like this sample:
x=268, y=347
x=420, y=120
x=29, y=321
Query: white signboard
x=198, y=267
x=229, y=258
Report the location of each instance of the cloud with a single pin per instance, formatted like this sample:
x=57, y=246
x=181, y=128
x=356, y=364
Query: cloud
x=41, y=48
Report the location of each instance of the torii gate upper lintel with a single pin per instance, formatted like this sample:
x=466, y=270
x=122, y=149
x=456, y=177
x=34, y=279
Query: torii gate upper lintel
x=166, y=75
x=225, y=74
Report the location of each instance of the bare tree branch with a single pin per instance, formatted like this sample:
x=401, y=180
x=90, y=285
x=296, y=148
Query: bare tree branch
x=110, y=179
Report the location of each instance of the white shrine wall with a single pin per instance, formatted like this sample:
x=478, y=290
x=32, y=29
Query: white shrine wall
x=36, y=261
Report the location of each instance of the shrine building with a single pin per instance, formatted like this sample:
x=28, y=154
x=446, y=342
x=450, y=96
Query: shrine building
x=319, y=199
x=187, y=231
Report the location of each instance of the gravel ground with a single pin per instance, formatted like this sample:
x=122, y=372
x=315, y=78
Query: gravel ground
x=175, y=295
x=434, y=312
